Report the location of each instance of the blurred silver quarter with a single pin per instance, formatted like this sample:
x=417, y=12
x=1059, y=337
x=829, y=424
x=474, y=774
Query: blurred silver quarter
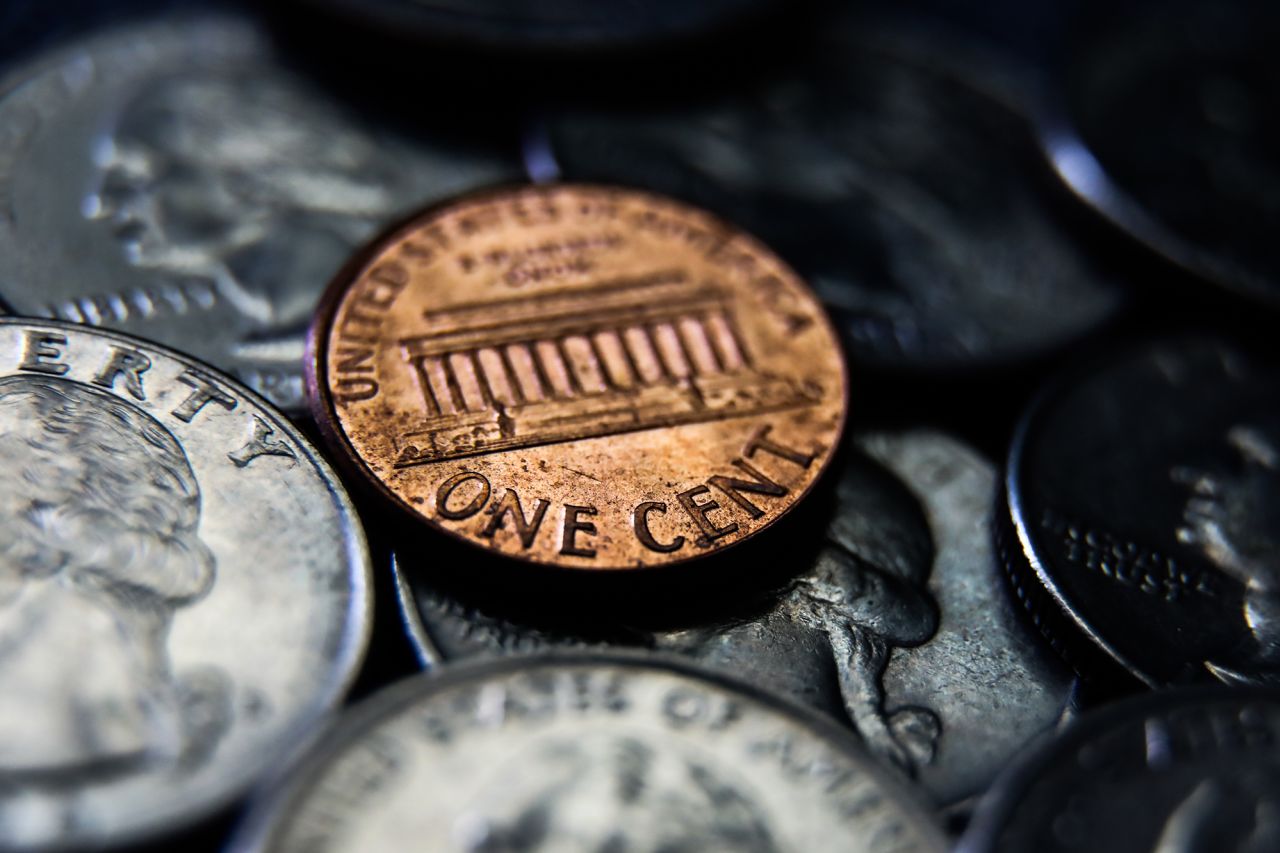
x=587, y=753
x=178, y=181
x=182, y=588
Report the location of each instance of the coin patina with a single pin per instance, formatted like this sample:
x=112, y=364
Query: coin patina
x=585, y=377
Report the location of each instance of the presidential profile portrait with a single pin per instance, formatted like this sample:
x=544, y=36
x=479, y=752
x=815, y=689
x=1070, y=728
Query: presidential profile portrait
x=99, y=548
x=245, y=182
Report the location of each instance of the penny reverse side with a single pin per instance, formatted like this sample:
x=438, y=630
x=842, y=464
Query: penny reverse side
x=587, y=377
x=182, y=588
x=587, y=753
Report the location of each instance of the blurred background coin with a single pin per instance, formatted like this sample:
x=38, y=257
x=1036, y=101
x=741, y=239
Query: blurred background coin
x=897, y=625
x=1165, y=123
x=900, y=185
x=584, y=377
x=1172, y=772
x=182, y=582
x=1145, y=499
x=586, y=753
x=177, y=179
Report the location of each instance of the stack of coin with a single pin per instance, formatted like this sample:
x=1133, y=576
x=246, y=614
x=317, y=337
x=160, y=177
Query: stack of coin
x=511, y=426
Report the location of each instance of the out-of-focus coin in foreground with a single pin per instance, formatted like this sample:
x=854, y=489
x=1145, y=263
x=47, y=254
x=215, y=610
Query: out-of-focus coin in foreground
x=1165, y=123
x=1177, y=771
x=904, y=191
x=898, y=625
x=587, y=753
x=182, y=588
x=176, y=180
x=548, y=25
x=1145, y=501
x=587, y=377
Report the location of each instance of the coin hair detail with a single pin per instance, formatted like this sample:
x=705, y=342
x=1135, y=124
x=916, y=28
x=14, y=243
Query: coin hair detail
x=108, y=491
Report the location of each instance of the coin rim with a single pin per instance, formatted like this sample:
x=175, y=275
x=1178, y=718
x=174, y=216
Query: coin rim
x=324, y=413
x=279, y=796
x=359, y=611
x=1003, y=798
x=1055, y=130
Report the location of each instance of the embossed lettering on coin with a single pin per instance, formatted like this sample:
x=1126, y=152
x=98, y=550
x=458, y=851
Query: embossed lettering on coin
x=588, y=377
x=587, y=753
x=891, y=625
x=1154, y=528
x=159, y=528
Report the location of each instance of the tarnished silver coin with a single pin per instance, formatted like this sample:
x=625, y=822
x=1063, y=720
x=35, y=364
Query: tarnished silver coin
x=176, y=180
x=902, y=188
x=898, y=623
x=586, y=753
x=182, y=587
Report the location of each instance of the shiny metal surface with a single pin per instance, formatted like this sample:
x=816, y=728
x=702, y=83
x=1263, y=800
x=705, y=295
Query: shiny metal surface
x=585, y=377
x=182, y=588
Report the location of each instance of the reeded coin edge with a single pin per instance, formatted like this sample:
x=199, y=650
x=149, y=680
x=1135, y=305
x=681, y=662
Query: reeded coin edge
x=1058, y=619
x=1002, y=799
x=359, y=612
x=324, y=414
x=277, y=796
x=1046, y=614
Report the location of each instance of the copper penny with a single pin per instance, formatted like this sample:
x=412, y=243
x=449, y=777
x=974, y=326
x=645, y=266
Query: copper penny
x=580, y=376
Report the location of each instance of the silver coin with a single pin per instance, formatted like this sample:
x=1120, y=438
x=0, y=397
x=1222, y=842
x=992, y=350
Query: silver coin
x=183, y=587
x=898, y=625
x=903, y=191
x=586, y=753
x=176, y=180
x=1174, y=771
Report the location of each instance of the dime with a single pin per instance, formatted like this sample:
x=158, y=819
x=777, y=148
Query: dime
x=182, y=587
x=1170, y=772
x=904, y=193
x=176, y=180
x=548, y=24
x=896, y=626
x=1145, y=495
x=585, y=377
x=1165, y=125
x=586, y=753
